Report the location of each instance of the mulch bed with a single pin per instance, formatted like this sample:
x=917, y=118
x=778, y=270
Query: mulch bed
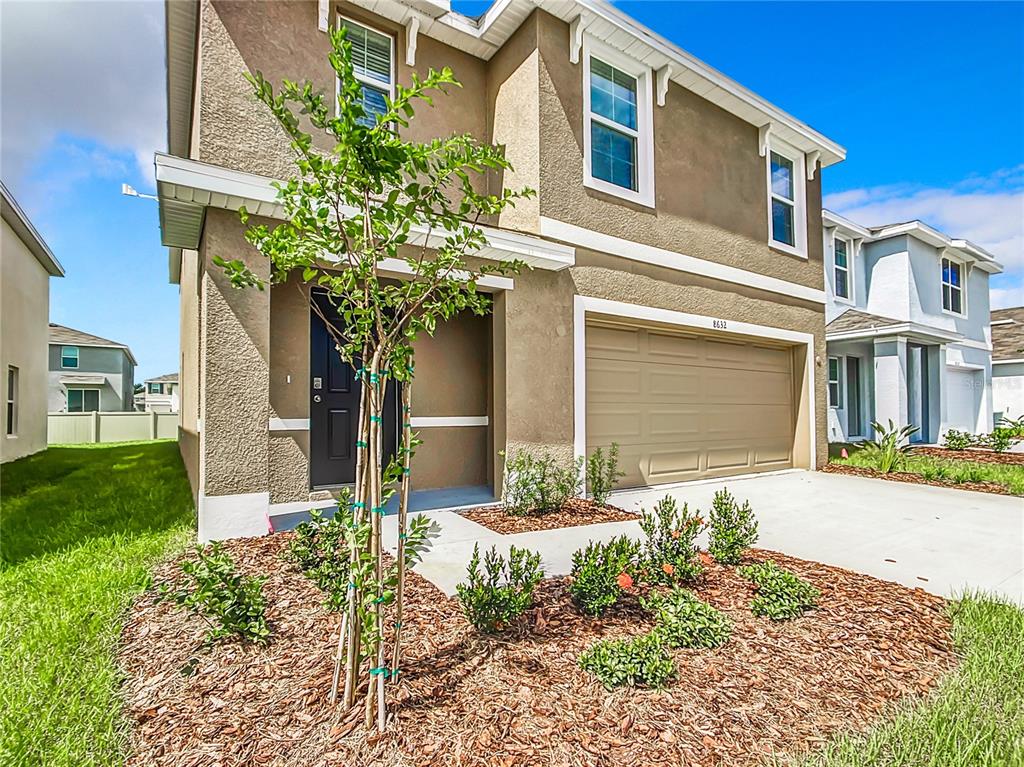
x=521, y=699
x=578, y=511
x=917, y=479
x=975, y=456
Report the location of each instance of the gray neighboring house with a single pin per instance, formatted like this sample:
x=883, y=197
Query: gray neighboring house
x=89, y=373
x=159, y=395
x=1008, y=362
x=908, y=330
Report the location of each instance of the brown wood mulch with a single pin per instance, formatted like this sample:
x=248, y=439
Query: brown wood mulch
x=520, y=698
x=916, y=479
x=575, y=512
x=975, y=456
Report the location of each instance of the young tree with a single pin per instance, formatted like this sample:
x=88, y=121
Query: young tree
x=346, y=211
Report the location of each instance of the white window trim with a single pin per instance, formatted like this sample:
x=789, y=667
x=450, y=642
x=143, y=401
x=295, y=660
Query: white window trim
x=644, y=124
x=78, y=358
x=342, y=19
x=963, y=287
x=849, y=270
x=796, y=157
x=838, y=405
x=67, y=399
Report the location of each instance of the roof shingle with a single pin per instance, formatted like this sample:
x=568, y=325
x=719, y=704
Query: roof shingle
x=852, y=319
x=1008, y=337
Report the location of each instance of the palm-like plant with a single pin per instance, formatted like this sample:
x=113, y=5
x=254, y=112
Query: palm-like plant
x=888, y=450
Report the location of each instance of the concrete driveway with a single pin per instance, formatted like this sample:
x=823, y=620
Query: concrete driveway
x=939, y=539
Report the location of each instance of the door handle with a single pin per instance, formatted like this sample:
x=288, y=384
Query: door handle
x=316, y=397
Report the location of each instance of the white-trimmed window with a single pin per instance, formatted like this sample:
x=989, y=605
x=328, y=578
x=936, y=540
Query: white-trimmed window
x=787, y=209
x=618, y=133
x=373, y=57
x=833, y=382
x=155, y=388
x=69, y=356
x=12, y=401
x=842, y=250
x=83, y=400
x=953, y=287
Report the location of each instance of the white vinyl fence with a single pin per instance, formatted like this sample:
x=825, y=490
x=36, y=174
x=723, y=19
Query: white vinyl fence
x=78, y=428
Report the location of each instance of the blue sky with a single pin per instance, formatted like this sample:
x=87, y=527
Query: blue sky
x=926, y=97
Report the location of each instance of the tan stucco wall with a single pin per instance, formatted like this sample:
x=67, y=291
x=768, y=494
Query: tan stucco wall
x=25, y=308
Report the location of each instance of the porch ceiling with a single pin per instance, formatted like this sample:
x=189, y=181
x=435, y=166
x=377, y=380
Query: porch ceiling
x=186, y=188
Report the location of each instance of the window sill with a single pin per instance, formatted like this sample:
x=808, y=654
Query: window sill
x=645, y=198
x=844, y=301
x=958, y=315
x=787, y=250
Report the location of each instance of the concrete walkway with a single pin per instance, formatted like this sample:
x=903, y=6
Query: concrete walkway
x=939, y=539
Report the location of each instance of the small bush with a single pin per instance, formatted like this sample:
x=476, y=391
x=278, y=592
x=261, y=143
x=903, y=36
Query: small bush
x=492, y=599
x=603, y=472
x=955, y=439
x=232, y=605
x=685, y=621
x=537, y=484
x=887, y=452
x=670, y=549
x=733, y=528
x=320, y=551
x=780, y=594
x=599, y=572
x=641, y=662
x=1000, y=439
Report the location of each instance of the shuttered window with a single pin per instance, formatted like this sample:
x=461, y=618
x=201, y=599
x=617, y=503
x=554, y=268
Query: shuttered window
x=372, y=60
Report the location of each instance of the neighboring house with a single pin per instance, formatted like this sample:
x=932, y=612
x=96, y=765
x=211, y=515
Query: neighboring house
x=26, y=265
x=1008, y=363
x=159, y=395
x=908, y=332
x=89, y=373
x=675, y=306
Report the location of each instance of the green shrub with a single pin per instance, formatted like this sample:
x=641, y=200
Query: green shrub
x=670, y=548
x=599, y=572
x=780, y=594
x=319, y=550
x=537, y=484
x=231, y=605
x=641, y=662
x=733, y=528
x=603, y=472
x=685, y=621
x=887, y=452
x=1000, y=439
x=1014, y=426
x=955, y=439
x=492, y=599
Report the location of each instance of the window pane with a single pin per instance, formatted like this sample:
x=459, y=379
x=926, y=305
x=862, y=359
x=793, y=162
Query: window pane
x=373, y=104
x=613, y=156
x=954, y=274
x=945, y=296
x=840, y=252
x=833, y=394
x=74, y=400
x=956, y=301
x=782, y=176
x=782, y=222
x=371, y=53
x=69, y=356
x=612, y=94
x=842, y=289
x=833, y=369
x=92, y=400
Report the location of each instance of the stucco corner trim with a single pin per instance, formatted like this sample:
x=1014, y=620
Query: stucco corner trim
x=233, y=516
x=427, y=422
x=289, y=424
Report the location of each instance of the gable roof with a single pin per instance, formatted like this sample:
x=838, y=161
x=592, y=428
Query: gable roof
x=483, y=36
x=167, y=378
x=18, y=221
x=60, y=334
x=1008, y=334
x=852, y=319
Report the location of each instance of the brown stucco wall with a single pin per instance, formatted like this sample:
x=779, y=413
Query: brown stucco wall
x=188, y=446
x=710, y=179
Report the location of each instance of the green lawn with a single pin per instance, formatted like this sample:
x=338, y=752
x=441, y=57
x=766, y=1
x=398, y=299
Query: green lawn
x=79, y=530
x=976, y=717
x=954, y=471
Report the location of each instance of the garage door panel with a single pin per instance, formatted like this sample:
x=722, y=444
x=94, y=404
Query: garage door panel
x=686, y=406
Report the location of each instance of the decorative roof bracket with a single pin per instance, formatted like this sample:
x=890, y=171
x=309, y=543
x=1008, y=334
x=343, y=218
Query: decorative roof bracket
x=662, y=77
x=812, y=163
x=576, y=29
x=763, y=134
x=323, y=14
x=412, y=30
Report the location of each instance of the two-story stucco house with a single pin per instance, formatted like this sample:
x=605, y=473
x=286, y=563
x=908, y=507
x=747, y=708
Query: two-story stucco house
x=89, y=373
x=908, y=332
x=158, y=395
x=1008, y=363
x=26, y=266
x=675, y=304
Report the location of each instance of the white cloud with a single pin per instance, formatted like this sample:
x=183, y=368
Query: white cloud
x=81, y=69
x=987, y=210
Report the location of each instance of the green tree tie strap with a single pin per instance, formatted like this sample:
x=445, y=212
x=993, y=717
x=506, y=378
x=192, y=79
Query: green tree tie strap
x=375, y=419
x=360, y=443
x=378, y=509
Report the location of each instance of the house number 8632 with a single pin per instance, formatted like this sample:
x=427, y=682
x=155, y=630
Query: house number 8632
x=718, y=324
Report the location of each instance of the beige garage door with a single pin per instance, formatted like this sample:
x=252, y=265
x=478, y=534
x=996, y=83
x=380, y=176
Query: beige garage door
x=685, y=406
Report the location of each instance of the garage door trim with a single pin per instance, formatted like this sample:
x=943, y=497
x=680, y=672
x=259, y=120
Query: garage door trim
x=584, y=305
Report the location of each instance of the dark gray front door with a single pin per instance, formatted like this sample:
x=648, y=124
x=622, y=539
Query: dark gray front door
x=853, y=405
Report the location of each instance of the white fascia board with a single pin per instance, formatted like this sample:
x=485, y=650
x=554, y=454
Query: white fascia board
x=901, y=329
x=635, y=251
x=399, y=268
x=1008, y=362
x=181, y=181
x=926, y=234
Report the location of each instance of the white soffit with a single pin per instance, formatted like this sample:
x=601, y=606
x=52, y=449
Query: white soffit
x=186, y=188
x=483, y=36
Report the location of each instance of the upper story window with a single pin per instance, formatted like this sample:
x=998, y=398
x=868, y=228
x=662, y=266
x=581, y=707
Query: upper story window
x=787, y=212
x=69, y=356
x=952, y=286
x=373, y=55
x=833, y=382
x=618, y=156
x=841, y=250
x=155, y=388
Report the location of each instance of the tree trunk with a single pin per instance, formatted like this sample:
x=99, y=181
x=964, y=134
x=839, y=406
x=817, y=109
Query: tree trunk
x=403, y=516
